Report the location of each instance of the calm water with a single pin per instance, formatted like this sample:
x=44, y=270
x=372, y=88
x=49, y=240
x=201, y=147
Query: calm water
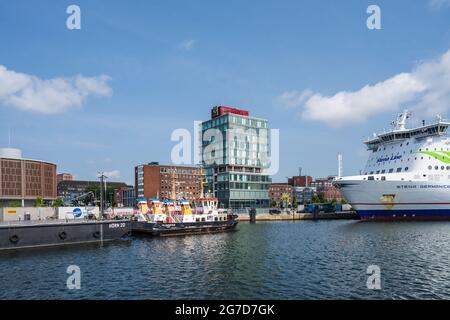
x=273, y=260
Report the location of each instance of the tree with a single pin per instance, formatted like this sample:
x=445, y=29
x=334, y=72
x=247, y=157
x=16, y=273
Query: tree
x=285, y=200
x=58, y=203
x=273, y=203
x=343, y=201
x=14, y=204
x=295, y=202
x=39, y=202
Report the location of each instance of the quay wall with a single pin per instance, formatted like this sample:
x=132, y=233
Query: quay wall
x=18, y=214
x=349, y=215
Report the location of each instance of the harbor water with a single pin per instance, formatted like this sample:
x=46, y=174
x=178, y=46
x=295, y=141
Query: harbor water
x=266, y=260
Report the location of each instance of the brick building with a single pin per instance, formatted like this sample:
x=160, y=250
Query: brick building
x=300, y=181
x=63, y=177
x=157, y=181
x=124, y=197
x=326, y=190
x=25, y=180
x=279, y=192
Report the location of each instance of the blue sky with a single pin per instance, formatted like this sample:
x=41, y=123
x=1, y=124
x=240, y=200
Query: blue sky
x=155, y=66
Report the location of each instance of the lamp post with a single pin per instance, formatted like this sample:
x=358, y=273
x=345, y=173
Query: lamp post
x=101, y=175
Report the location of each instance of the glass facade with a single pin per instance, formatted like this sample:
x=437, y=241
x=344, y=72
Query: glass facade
x=235, y=150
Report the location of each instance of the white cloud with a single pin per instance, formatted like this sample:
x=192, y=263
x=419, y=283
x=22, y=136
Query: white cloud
x=294, y=98
x=30, y=93
x=439, y=3
x=186, y=45
x=426, y=90
x=114, y=174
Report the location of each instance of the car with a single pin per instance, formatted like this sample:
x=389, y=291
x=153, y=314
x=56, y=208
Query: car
x=274, y=211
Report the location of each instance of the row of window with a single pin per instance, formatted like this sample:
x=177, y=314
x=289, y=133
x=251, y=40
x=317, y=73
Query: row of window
x=390, y=171
x=437, y=167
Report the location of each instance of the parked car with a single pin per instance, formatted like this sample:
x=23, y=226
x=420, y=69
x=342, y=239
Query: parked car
x=274, y=211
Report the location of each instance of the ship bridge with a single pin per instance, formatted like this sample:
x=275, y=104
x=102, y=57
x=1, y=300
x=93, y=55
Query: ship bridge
x=399, y=132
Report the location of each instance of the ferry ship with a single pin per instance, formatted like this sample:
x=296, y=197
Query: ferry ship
x=407, y=175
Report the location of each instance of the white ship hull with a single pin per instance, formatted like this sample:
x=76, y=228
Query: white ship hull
x=397, y=200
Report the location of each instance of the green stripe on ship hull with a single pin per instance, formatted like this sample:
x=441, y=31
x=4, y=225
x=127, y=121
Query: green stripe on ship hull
x=437, y=156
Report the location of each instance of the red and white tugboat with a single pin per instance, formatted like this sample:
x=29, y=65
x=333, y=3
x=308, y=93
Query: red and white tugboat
x=178, y=217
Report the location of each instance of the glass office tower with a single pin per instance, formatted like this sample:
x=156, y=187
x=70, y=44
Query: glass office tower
x=235, y=150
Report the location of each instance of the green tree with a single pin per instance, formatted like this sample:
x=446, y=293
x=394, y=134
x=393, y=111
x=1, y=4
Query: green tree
x=14, y=204
x=295, y=202
x=39, y=202
x=273, y=203
x=58, y=203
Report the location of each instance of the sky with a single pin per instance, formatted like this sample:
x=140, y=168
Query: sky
x=108, y=96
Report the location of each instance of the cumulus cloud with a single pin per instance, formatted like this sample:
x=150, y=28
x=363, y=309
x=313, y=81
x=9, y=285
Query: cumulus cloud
x=30, y=93
x=186, y=45
x=426, y=90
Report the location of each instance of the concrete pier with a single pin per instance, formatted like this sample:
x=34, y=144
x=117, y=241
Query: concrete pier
x=349, y=215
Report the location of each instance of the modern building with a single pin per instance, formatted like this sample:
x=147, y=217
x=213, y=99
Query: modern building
x=25, y=180
x=69, y=190
x=326, y=190
x=281, y=194
x=300, y=181
x=235, y=152
x=63, y=177
x=304, y=194
x=124, y=197
x=153, y=180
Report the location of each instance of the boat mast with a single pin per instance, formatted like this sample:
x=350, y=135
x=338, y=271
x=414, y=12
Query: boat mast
x=201, y=181
x=174, y=192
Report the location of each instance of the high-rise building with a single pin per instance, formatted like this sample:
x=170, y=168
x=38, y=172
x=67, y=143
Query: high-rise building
x=25, y=180
x=235, y=151
x=160, y=181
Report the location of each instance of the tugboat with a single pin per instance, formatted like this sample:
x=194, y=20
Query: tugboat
x=175, y=217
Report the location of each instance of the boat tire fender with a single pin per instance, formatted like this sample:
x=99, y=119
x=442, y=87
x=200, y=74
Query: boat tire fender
x=14, y=238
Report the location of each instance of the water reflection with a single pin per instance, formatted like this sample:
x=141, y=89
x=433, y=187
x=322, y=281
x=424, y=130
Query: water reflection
x=274, y=260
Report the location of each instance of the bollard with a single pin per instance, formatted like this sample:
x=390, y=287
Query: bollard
x=252, y=215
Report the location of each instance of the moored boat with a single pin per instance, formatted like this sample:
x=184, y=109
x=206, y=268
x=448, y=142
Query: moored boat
x=407, y=175
x=182, y=220
x=175, y=217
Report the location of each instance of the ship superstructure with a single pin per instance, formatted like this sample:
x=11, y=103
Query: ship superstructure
x=407, y=175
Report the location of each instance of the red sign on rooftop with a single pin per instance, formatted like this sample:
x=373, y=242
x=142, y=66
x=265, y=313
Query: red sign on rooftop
x=218, y=111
